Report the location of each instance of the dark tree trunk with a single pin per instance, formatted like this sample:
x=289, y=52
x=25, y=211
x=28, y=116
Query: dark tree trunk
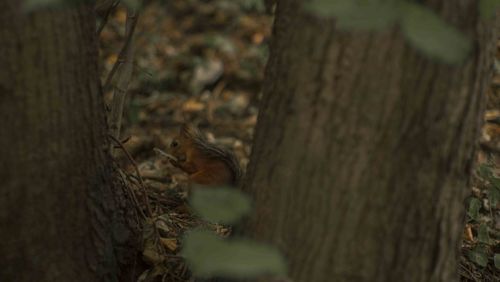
x=363, y=149
x=63, y=217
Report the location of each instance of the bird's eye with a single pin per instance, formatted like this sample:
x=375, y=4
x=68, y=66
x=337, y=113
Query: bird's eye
x=174, y=144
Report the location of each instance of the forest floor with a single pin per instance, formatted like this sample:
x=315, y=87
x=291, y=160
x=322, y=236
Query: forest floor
x=203, y=62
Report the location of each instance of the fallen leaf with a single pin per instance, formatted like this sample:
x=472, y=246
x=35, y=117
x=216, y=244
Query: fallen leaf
x=170, y=243
x=151, y=255
x=192, y=105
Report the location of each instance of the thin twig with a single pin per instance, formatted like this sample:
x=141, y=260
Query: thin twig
x=130, y=28
x=132, y=195
x=120, y=91
x=141, y=181
x=163, y=154
x=106, y=16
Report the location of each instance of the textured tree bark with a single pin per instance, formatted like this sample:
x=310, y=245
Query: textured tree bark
x=63, y=216
x=363, y=149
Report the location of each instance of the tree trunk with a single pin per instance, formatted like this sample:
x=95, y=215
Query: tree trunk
x=363, y=149
x=62, y=214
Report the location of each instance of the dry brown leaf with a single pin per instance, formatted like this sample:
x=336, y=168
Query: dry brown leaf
x=468, y=233
x=121, y=16
x=258, y=38
x=162, y=223
x=491, y=114
x=111, y=59
x=192, y=105
x=169, y=243
x=151, y=256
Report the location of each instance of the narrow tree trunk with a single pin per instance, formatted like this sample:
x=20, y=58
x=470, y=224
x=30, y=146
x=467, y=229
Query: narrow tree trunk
x=62, y=215
x=363, y=149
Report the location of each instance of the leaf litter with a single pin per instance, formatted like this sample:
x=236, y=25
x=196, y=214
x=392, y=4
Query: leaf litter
x=202, y=62
x=196, y=61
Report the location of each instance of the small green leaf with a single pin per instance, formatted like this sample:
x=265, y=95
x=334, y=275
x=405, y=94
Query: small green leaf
x=132, y=4
x=484, y=171
x=482, y=234
x=352, y=14
x=487, y=8
x=493, y=196
x=496, y=260
x=207, y=256
x=478, y=255
x=220, y=205
x=474, y=207
x=432, y=35
x=495, y=181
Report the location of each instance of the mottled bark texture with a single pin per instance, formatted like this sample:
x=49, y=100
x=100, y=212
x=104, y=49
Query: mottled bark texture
x=62, y=214
x=363, y=149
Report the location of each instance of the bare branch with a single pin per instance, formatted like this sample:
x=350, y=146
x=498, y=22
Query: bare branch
x=125, y=74
x=129, y=32
x=106, y=16
x=163, y=154
x=141, y=181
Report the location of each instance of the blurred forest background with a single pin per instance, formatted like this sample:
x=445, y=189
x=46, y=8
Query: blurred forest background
x=196, y=61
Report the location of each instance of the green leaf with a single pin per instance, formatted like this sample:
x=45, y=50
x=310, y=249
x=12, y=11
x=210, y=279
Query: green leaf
x=474, y=207
x=355, y=14
x=493, y=196
x=220, y=205
x=482, y=234
x=487, y=8
x=496, y=260
x=207, y=256
x=478, y=255
x=132, y=4
x=432, y=35
x=484, y=171
x=495, y=181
